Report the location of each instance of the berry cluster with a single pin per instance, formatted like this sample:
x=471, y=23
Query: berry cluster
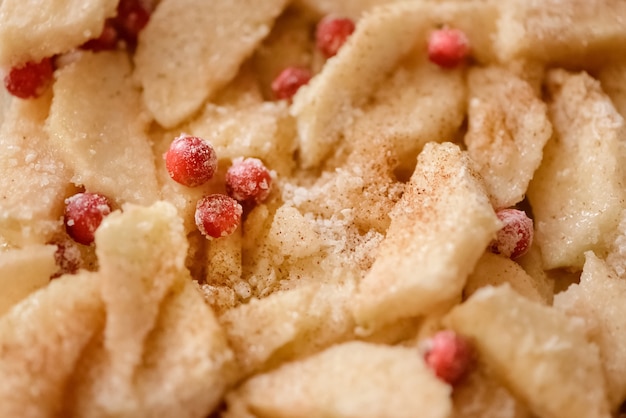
x=192, y=161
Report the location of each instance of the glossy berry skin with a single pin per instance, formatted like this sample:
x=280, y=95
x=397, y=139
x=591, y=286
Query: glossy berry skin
x=248, y=181
x=30, y=80
x=218, y=215
x=516, y=236
x=289, y=81
x=448, y=48
x=449, y=356
x=332, y=33
x=191, y=161
x=106, y=41
x=84, y=213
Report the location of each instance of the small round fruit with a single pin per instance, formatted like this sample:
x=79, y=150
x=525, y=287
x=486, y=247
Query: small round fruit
x=332, y=33
x=84, y=213
x=132, y=17
x=448, y=48
x=449, y=355
x=516, y=236
x=289, y=81
x=218, y=215
x=191, y=161
x=106, y=41
x=29, y=80
x=248, y=181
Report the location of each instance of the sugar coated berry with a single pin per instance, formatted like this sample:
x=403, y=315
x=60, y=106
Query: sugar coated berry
x=449, y=355
x=218, y=215
x=191, y=161
x=29, y=80
x=448, y=47
x=289, y=81
x=83, y=214
x=516, y=236
x=248, y=180
x=106, y=41
x=332, y=33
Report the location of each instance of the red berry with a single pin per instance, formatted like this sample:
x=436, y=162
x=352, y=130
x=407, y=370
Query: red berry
x=289, y=81
x=248, y=180
x=107, y=39
x=516, y=236
x=132, y=17
x=448, y=47
x=29, y=80
x=218, y=215
x=449, y=355
x=83, y=214
x=68, y=258
x=332, y=33
x=191, y=161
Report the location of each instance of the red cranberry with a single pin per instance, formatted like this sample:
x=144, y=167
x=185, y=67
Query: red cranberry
x=332, y=33
x=449, y=355
x=107, y=39
x=218, y=215
x=191, y=161
x=83, y=214
x=516, y=236
x=248, y=180
x=29, y=80
x=289, y=81
x=448, y=47
x=132, y=17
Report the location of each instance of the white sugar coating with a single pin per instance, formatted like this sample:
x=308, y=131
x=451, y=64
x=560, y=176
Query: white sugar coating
x=33, y=180
x=516, y=234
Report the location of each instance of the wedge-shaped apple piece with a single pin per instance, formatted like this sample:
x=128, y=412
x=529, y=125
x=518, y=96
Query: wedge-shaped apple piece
x=598, y=299
x=142, y=257
x=577, y=194
x=382, y=38
x=286, y=325
x=417, y=104
x=187, y=349
x=533, y=350
x=24, y=270
x=180, y=68
x=41, y=340
x=33, y=30
x=561, y=32
x=33, y=181
x=350, y=380
x=494, y=270
x=508, y=128
x=439, y=229
x=97, y=123
x=152, y=332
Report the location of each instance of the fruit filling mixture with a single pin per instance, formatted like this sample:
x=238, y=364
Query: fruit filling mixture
x=307, y=208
